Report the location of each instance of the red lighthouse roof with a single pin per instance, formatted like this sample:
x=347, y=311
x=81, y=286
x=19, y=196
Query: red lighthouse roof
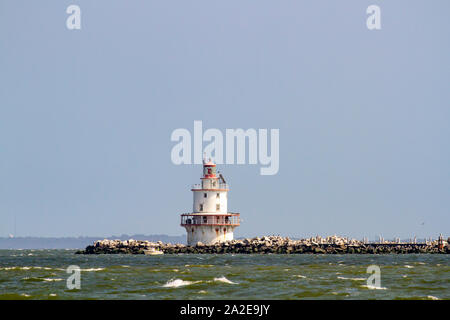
x=209, y=169
x=208, y=163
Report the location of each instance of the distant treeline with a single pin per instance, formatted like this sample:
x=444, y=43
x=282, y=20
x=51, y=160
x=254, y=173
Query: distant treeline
x=78, y=242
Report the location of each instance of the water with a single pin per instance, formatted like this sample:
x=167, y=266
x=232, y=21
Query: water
x=41, y=274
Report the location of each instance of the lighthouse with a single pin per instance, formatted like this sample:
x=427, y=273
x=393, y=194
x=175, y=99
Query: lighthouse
x=210, y=222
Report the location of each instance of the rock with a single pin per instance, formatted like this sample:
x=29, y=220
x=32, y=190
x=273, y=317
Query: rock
x=319, y=250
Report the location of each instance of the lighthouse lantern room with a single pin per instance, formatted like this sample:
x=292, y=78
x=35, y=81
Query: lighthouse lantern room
x=210, y=222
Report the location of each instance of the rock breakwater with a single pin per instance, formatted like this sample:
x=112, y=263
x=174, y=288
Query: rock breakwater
x=266, y=245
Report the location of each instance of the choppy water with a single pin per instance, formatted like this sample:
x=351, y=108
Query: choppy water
x=41, y=274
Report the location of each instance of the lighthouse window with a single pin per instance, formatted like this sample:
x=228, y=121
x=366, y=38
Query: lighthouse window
x=214, y=183
x=218, y=207
x=218, y=195
x=201, y=207
x=205, y=219
x=205, y=195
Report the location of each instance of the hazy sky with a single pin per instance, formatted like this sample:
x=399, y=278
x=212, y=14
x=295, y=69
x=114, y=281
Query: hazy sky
x=364, y=116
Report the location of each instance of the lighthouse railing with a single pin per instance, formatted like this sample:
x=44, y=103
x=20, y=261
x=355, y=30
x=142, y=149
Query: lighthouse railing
x=232, y=219
x=198, y=186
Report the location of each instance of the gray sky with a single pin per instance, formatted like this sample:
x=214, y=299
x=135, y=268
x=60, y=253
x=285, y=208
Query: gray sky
x=86, y=116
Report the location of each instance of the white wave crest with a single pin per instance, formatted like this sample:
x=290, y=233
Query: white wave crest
x=42, y=279
x=224, y=280
x=175, y=283
x=354, y=279
x=92, y=269
x=52, y=280
x=25, y=268
x=373, y=287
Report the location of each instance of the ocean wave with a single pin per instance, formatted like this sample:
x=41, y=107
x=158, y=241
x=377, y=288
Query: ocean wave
x=47, y=268
x=16, y=268
x=52, y=279
x=25, y=268
x=92, y=269
x=199, y=265
x=345, y=294
x=299, y=276
x=373, y=287
x=354, y=279
x=14, y=296
x=408, y=266
x=9, y=268
x=224, y=280
x=175, y=283
x=36, y=279
x=433, y=298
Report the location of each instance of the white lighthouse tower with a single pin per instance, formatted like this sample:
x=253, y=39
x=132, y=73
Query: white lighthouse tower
x=210, y=222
